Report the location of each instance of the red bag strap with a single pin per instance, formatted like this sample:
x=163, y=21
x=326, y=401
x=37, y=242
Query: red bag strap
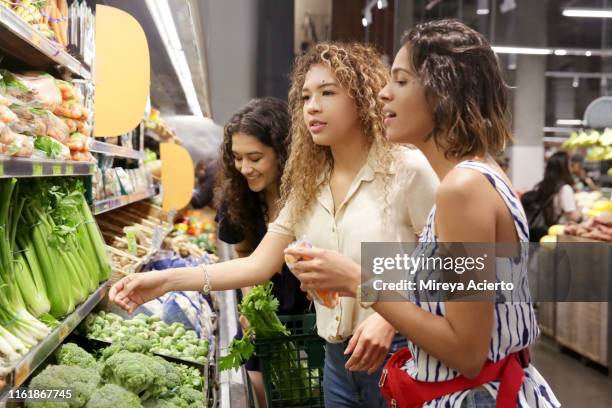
x=401, y=390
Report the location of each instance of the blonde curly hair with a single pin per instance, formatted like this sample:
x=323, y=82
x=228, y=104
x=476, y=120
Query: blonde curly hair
x=359, y=69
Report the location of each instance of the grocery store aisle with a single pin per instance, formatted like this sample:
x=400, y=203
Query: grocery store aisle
x=574, y=383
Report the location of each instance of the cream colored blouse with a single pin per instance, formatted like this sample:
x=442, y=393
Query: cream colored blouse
x=362, y=218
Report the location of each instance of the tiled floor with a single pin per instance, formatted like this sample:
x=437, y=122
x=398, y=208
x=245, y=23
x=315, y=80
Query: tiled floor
x=575, y=384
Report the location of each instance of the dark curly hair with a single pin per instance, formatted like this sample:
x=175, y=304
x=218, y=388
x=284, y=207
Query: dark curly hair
x=464, y=87
x=267, y=119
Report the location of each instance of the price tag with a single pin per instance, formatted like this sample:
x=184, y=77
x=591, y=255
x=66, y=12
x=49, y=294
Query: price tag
x=131, y=240
x=158, y=238
x=57, y=169
x=37, y=169
x=22, y=372
x=69, y=169
x=63, y=331
x=1, y=169
x=92, y=168
x=35, y=38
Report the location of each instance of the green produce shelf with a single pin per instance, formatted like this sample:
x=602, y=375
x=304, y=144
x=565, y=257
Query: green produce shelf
x=110, y=204
x=23, y=42
x=16, y=167
x=39, y=353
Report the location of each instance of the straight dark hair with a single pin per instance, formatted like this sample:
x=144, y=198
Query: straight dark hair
x=556, y=175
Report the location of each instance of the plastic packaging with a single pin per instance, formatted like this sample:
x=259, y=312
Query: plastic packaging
x=82, y=156
x=48, y=148
x=72, y=124
x=79, y=142
x=42, y=85
x=14, y=144
x=7, y=115
x=323, y=297
x=14, y=90
x=72, y=109
x=40, y=122
x=69, y=91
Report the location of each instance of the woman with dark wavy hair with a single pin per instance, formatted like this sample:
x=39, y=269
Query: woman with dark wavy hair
x=448, y=98
x=252, y=160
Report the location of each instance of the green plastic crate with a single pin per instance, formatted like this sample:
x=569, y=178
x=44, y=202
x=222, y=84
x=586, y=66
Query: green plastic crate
x=292, y=366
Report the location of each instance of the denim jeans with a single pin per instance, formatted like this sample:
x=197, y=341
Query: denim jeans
x=478, y=398
x=343, y=388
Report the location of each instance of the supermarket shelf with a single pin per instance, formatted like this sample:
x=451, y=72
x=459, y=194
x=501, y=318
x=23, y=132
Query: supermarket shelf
x=114, y=150
x=39, y=353
x=20, y=40
x=110, y=204
x=16, y=167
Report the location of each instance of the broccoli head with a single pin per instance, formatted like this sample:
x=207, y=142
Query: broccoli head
x=72, y=355
x=192, y=397
x=160, y=403
x=113, y=396
x=133, y=371
x=136, y=344
x=83, y=381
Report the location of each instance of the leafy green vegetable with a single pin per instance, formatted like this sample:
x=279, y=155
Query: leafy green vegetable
x=72, y=355
x=113, y=396
x=51, y=147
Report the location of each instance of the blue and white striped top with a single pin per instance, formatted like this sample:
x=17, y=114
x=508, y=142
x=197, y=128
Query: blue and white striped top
x=514, y=326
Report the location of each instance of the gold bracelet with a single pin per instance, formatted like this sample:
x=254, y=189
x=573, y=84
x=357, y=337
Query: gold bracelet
x=206, y=288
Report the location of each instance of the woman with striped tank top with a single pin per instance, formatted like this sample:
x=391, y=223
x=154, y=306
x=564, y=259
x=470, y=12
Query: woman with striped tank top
x=447, y=97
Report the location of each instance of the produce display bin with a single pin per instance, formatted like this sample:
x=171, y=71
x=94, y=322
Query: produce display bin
x=292, y=366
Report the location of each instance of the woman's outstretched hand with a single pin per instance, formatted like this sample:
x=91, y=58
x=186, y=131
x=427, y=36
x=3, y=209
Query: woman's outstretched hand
x=138, y=288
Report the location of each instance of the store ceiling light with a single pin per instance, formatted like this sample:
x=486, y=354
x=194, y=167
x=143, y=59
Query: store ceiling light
x=560, y=52
x=381, y=4
x=569, y=122
x=162, y=16
x=590, y=13
x=522, y=50
x=483, y=7
x=367, y=17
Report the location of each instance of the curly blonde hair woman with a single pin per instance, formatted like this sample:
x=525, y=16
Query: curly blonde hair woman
x=360, y=71
x=342, y=174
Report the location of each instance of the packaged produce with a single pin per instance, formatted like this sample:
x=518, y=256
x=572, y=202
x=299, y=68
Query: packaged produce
x=72, y=124
x=79, y=142
x=82, y=157
x=84, y=128
x=46, y=94
x=14, y=144
x=14, y=90
x=39, y=122
x=69, y=91
x=49, y=148
x=111, y=183
x=72, y=109
x=29, y=10
x=124, y=180
x=7, y=115
x=97, y=185
x=323, y=297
